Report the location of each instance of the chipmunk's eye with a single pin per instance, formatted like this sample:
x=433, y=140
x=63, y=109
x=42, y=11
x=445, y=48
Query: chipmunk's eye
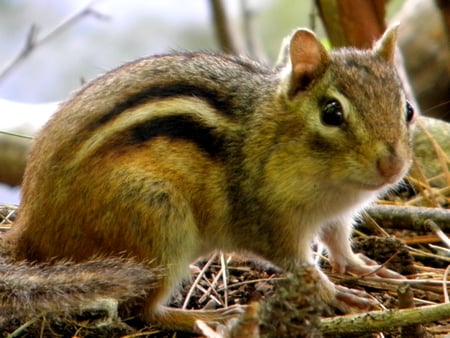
x=332, y=113
x=409, y=112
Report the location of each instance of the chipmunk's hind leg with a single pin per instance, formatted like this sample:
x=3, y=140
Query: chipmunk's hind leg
x=173, y=242
x=185, y=320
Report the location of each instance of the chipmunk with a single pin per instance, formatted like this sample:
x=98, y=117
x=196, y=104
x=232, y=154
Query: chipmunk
x=169, y=157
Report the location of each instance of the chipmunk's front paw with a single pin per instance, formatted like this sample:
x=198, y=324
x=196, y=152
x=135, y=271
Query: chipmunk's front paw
x=370, y=267
x=347, y=300
x=363, y=265
x=344, y=299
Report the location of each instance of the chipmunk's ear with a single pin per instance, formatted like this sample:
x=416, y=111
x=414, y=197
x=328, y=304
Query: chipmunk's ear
x=385, y=46
x=309, y=59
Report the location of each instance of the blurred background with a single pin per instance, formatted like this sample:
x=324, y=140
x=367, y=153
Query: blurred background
x=96, y=36
x=119, y=31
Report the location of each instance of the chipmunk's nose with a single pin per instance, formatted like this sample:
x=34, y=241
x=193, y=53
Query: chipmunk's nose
x=390, y=166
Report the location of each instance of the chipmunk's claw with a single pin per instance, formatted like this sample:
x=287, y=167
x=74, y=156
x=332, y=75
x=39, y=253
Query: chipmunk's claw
x=348, y=300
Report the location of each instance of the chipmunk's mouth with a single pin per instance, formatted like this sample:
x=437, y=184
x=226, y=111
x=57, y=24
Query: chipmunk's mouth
x=358, y=186
x=378, y=184
x=373, y=187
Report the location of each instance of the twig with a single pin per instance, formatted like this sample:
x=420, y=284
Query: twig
x=212, y=288
x=212, y=285
x=197, y=280
x=440, y=250
x=207, y=293
x=437, y=231
x=21, y=329
x=253, y=281
x=16, y=134
x=406, y=301
x=6, y=213
x=426, y=194
x=32, y=41
x=419, y=253
x=444, y=286
x=376, y=321
x=206, y=330
x=224, y=271
x=405, y=296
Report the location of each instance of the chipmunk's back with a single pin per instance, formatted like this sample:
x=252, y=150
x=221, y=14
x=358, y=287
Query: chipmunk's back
x=69, y=190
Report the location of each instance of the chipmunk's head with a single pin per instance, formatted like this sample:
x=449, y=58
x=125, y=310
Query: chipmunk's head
x=348, y=111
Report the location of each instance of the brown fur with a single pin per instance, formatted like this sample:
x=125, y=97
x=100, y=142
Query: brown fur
x=60, y=292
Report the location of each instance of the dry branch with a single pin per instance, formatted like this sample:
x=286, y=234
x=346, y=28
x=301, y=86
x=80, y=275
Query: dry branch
x=412, y=218
x=377, y=321
x=406, y=301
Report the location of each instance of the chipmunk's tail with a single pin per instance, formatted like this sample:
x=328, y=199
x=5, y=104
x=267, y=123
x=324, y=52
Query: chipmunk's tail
x=62, y=288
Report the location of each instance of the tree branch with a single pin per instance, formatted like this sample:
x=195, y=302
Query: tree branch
x=32, y=41
x=382, y=320
x=413, y=218
x=352, y=23
x=228, y=40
